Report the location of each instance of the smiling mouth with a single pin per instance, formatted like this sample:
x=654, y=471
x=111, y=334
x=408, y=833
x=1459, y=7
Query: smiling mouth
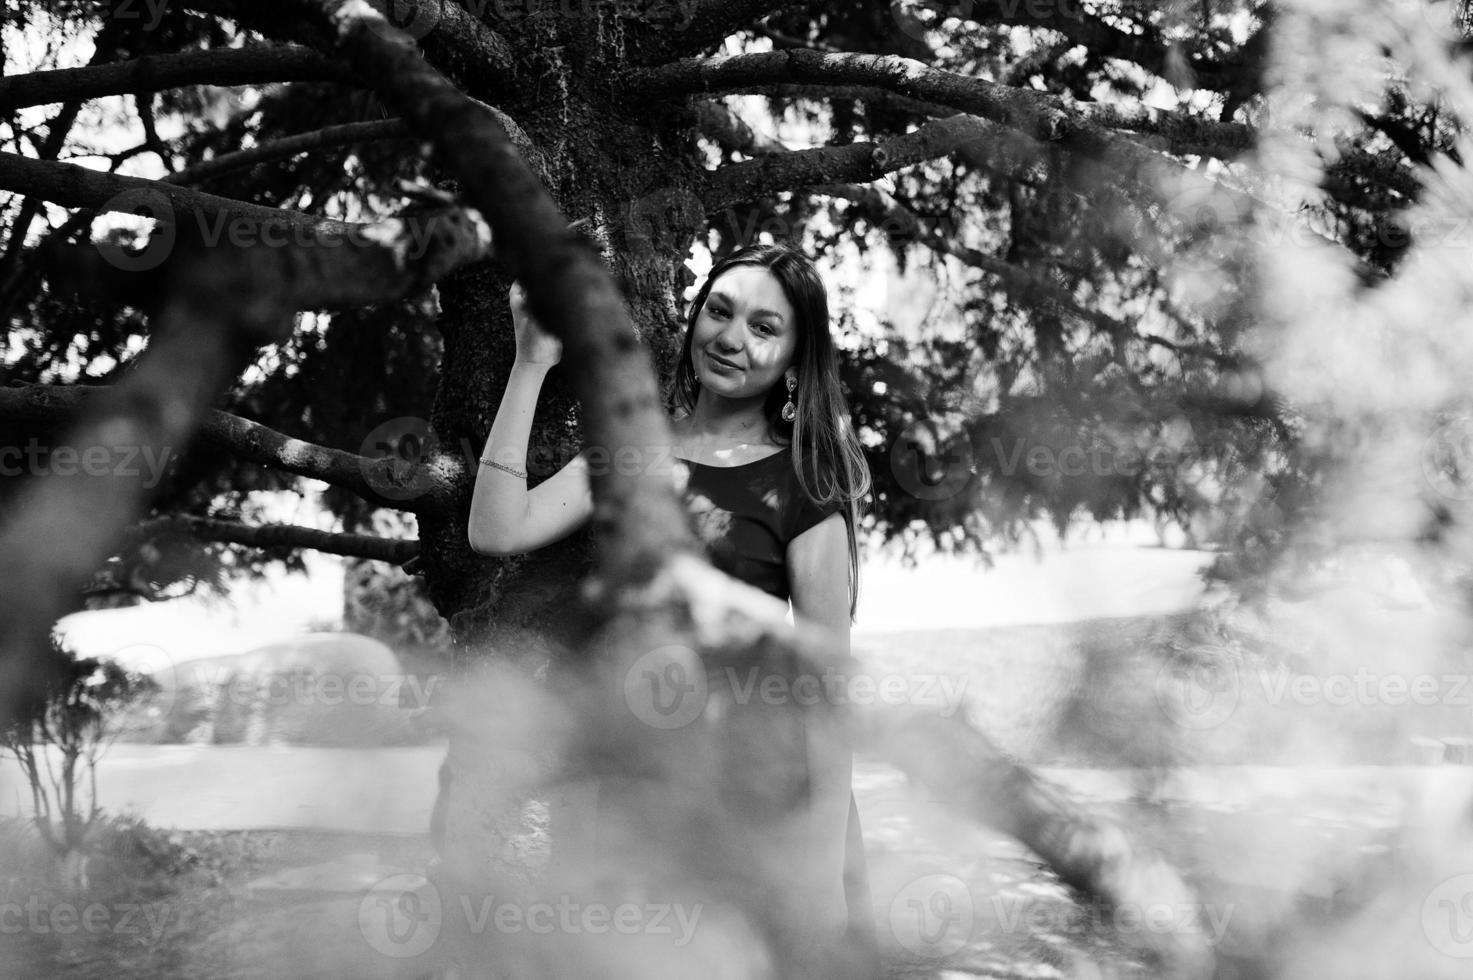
x=723, y=362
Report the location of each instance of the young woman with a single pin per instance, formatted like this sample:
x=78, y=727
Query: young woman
x=773, y=476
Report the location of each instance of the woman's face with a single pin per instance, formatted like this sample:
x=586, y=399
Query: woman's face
x=747, y=321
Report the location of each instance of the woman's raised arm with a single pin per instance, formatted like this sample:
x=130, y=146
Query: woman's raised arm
x=506, y=518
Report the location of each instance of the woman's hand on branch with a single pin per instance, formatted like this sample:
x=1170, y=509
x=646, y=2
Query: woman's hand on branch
x=534, y=345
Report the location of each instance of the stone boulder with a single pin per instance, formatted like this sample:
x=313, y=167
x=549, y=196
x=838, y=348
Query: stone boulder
x=325, y=689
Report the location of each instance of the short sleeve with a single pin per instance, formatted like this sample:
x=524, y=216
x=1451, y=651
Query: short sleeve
x=805, y=513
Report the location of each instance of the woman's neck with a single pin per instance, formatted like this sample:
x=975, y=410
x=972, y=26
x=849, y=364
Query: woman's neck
x=747, y=426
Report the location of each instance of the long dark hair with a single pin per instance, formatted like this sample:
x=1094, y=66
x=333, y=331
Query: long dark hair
x=826, y=453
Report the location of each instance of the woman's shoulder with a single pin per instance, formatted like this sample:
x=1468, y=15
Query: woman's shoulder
x=798, y=509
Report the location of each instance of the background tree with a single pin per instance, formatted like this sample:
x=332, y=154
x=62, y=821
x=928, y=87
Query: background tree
x=58, y=743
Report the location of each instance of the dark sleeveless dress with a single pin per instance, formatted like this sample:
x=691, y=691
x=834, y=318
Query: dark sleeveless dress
x=746, y=515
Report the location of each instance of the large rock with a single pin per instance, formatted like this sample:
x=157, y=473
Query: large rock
x=318, y=689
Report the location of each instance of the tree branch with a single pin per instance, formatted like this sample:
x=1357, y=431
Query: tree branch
x=1092, y=854
x=784, y=41
x=359, y=132
x=791, y=170
x=290, y=146
x=1034, y=62
x=1082, y=127
x=74, y=186
x=1402, y=136
x=735, y=183
x=220, y=306
x=144, y=104
x=374, y=263
x=1025, y=286
x=637, y=520
x=369, y=546
x=254, y=65
x=12, y=263
x=1151, y=172
x=248, y=440
x=1148, y=49
x=732, y=132
x=451, y=37
x=712, y=20
x=332, y=264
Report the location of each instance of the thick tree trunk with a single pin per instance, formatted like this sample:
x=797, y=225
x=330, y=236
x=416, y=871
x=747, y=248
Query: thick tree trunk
x=517, y=612
x=71, y=870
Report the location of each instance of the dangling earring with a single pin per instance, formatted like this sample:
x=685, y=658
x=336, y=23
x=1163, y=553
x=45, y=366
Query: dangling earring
x=790, y=411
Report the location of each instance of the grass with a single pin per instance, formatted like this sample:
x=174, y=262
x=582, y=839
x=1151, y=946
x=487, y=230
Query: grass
x=1081, y=694
x=151, y=895
x=164, y=904
x=1195, y=688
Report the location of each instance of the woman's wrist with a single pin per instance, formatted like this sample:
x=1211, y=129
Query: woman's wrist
x=526, y=366
x=513, y=470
